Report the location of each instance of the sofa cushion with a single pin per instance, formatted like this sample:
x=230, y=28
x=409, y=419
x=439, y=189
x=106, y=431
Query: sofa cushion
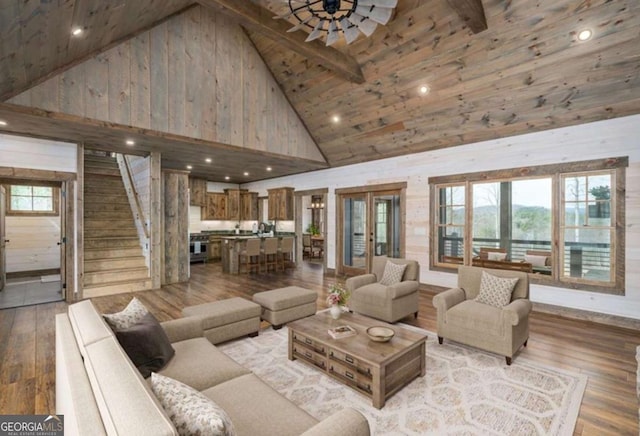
x=88, y=326
x=191, y=412
x=146, y=344
x=201, y=365
x=471, y=315
x=257, y=409
x=495, y=291
x=129, y=316
x=392, y=273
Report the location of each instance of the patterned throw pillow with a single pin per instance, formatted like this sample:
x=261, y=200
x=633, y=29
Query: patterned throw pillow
x=495, y=291
x=131, y=315
x=392, y=273
x=191, y=412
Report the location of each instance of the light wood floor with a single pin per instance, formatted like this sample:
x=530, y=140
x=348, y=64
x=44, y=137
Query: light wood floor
x=605, y=354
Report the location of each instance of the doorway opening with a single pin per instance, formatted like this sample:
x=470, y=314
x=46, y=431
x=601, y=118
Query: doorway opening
x=311, y=227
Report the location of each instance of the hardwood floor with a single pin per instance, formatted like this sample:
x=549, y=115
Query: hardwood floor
x=605, y=354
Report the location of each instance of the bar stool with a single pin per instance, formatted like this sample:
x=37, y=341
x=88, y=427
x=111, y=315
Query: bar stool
x=285, y=252
x=250, y=252
x=270, y=253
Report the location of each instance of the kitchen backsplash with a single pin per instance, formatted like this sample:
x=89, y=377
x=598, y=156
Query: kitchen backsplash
x=197, y=226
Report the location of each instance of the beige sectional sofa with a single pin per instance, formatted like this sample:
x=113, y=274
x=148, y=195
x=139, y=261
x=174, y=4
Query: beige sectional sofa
x=99, y=390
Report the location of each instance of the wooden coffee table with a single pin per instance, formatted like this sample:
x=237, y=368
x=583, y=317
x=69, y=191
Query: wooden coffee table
x=375, y=369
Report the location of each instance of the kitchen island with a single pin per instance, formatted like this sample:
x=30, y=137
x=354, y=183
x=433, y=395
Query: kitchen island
x=233, y=245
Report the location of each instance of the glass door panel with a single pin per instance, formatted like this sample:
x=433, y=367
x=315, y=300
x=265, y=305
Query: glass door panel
x=386, y=228
x=355, y=247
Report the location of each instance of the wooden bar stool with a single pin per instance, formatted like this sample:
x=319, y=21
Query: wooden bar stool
x=251, y=255
x=270, y=253
x=285, y=252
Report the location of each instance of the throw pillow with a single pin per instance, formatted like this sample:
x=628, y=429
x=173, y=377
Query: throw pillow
x=392, y=273
x=535, y=260
x=496, y=256
x=131, y=314
x=495, y=291
x=146, y=344
x=191, y=412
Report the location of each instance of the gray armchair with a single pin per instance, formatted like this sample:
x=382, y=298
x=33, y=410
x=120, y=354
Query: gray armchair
x=498, y=330
x=388, y=303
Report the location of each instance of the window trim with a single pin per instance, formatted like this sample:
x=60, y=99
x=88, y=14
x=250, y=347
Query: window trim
x=25, y=213
x=617, y=166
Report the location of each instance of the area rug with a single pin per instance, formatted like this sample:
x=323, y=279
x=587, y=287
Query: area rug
x=464, y=392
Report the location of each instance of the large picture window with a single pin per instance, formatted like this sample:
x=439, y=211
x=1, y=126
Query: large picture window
x=561, y=223
x=32, y=200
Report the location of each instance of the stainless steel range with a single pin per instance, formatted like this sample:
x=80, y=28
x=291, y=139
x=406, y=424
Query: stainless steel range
x=198, y=247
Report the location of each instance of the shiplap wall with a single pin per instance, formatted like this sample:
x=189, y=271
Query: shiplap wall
x=616, y=137
x=141, y=174
x=196, y=75
x=33, y=243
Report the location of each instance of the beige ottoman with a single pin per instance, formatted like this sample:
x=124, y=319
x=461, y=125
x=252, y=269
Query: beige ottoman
x=227, y=319
x=283, y=305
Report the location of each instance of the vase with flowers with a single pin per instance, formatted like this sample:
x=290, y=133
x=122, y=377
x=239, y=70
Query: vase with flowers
x=337, y=298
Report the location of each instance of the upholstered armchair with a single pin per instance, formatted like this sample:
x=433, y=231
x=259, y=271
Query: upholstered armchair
x=388, y=302
x=500, y=330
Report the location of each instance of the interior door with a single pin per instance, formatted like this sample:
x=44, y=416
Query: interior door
x=3, y=257
x=386, y=224
x=355, y=245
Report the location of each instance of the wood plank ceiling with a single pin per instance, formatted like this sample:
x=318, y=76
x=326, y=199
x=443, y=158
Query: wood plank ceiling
x=527, y=72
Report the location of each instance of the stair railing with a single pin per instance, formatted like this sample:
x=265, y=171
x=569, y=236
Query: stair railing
x=132, y=193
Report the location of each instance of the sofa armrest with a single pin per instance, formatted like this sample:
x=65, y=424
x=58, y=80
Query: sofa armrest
x=356, y=282
x=183, y=328
x=402, y=289
x=347, y=422
x=449, y=298
x=516, y=311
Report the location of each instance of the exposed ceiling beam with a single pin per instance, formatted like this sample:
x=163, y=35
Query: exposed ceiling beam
x=471, y=12
x=261, y=20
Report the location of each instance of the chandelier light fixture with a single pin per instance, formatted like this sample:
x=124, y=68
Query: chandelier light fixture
x=334, y=18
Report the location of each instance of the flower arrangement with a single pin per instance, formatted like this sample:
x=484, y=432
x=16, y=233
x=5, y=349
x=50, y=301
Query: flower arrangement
x=337, y=295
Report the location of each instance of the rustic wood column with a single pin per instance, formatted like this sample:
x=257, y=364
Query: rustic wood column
x=175, y=193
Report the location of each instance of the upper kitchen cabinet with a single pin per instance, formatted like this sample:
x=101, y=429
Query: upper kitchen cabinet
x=233, y=203
x=197, y=192
x=216, y=207
x=249, y=206
x=281, y=204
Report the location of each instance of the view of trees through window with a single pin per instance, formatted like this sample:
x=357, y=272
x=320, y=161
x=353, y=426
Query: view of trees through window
x=31, y=199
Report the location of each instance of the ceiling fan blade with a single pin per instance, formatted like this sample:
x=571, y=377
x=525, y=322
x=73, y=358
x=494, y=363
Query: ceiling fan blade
x=365, y=25
x=334, y=33
x=283, y=16
x=300, y=25
x=378, y=14
x=379, y=3
x=316, y=32
x=351, y=31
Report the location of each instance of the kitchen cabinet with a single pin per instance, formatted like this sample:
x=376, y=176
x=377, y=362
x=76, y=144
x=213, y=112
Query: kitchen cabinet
x=280, y=204
x=215, y=245
x=249, y=206
x=216, y=208
x=197, y=192
x=233, y=203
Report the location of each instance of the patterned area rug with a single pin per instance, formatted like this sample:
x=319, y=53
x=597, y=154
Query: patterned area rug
x=465, y=391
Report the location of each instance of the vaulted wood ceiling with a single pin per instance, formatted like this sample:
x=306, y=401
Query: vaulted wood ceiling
x=527, y=72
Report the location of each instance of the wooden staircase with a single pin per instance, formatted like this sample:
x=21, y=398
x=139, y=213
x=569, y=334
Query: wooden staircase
x=113, y=259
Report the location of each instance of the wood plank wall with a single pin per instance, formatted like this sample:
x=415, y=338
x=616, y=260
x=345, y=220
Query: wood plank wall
x=175, y=186
x=196, y=75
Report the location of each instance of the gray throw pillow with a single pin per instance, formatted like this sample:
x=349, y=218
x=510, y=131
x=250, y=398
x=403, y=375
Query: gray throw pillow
x=131, y=314
x=146, y=344
x=191, y=412
x=393, y=273
x=495, y=291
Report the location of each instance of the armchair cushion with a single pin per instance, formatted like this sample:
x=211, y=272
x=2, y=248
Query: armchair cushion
x=471, y=315
x=393, y=273
x=495, y=291
x=401, y=289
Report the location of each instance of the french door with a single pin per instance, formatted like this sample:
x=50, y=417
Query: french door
x=370, y=223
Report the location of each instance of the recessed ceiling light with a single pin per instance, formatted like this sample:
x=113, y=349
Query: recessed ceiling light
x=3, y=123
x=335, y=119
x=208, y=160
x=585, y=34
x=189, y=167
x=76, y=31
x=227, y=177
x=130, y=142
x=424, y=90
x=246, y=173
x=268, y=168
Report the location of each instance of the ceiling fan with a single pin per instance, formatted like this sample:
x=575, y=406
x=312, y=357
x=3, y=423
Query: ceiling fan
x=339, y=17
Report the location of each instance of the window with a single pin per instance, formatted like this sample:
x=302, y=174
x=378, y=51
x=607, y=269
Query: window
x=558, y=222
x=32, y=200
